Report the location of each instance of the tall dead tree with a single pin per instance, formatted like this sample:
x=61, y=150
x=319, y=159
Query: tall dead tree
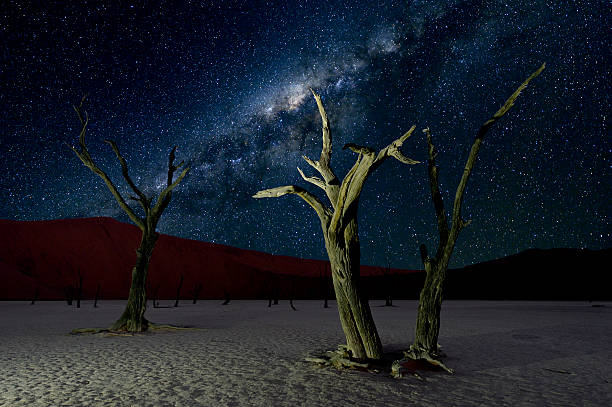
x=339, y=224
x=132, y=319
x=428, y=318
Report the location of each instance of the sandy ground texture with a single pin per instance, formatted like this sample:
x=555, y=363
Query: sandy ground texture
x=246, y=354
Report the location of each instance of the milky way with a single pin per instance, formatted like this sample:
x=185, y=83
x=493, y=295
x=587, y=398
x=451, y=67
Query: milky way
x=228, y=83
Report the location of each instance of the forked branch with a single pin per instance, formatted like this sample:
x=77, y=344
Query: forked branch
x=331, y=183
x=449, y=237
x=164, y=197
x=142, y=199
x=85, y=157
x=162, y=200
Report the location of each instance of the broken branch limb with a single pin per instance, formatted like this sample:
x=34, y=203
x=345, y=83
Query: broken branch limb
x=319, y=207
x=456, y=220
x=394, y=151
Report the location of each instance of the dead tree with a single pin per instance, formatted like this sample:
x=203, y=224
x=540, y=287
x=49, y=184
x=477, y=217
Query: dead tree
x=35, y=296
x=178, y=292
x=155, y=302
x=388, y=284
x=428, y=318
x=97, y=296
x=339, y=224
x=69, y=293
x=196, y=292
x=79, y=290
x=324, y=284
x=132, y=319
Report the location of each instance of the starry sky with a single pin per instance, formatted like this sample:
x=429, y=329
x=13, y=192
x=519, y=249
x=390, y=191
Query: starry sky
x=227, y=82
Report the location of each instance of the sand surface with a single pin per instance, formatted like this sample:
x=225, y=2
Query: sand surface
x=246, y=354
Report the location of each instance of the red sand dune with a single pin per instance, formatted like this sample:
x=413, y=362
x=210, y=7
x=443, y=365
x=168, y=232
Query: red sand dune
x=44, y=258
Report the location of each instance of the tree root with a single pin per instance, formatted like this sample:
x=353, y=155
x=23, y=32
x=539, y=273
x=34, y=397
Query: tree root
x=422, y=355
x=342, y=359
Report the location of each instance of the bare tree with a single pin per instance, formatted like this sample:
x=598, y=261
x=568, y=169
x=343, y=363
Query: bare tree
x=133, y=319
x=339, y=224
x=178, y=292
x=428, y=318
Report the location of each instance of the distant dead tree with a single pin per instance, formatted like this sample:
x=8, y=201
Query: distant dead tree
x=196, y=292
x=97, y=296
x=155, y=302
x=388, y=284
x=132, y=319
x=339, y=225
x=69, y=293
x=178, y=292
x=324, y=284
x=79, y=290
x=425, y=344
x=35, y=295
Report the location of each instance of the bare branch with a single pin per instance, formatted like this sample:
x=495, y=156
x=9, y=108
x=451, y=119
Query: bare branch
x=394, y=151
x=367, y=162
x=164, y=197
x=85, y=157
x=456, y=220
x=326, y=150
x=332, y=184
x=436, y=196
x=319, y=207
x=171, y=166
x=358, y=149
x=509, y=103
x=124, y=170
x=313, y=180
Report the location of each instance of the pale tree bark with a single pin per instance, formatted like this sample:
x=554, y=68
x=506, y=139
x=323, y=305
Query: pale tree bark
x=427, y=329
x=132, y=319
x=340, y=232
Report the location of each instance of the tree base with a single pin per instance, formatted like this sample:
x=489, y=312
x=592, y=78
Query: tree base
x=130, y=325
x=423, y=355
x=341, y=359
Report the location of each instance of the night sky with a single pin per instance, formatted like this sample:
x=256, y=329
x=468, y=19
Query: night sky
x=227, y=82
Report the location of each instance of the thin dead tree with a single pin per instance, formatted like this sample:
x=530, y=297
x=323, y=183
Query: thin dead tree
x=97, y=296
x=339, y=224
x=79, y=290
x=425, y=344
x=132, y=319
x=178, y=292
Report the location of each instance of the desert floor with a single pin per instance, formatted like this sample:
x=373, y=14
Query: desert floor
x=243, y=354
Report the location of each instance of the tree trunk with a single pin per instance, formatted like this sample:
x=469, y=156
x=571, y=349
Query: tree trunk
x=428, y=318
x=355, y=315
x=132, y=319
